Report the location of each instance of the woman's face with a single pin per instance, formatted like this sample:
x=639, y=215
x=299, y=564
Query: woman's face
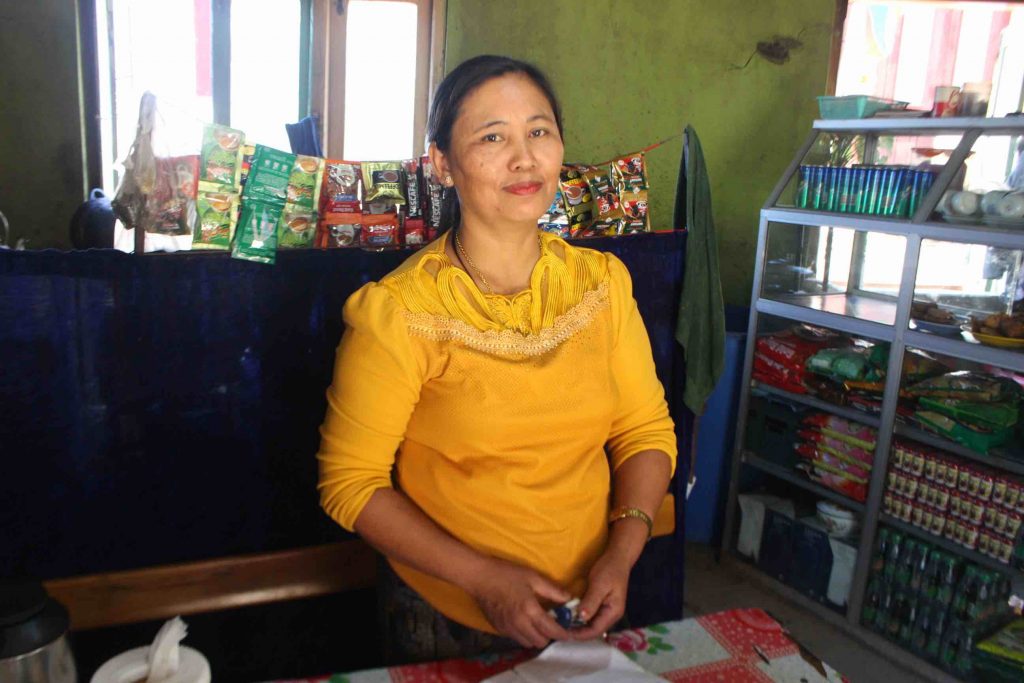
x=505, y=154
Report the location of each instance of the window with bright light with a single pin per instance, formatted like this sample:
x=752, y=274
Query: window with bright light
x=903, y=50
x=257, y=65
x=380, y=84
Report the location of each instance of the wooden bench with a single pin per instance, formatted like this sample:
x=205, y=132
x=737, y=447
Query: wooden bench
x=162, y=592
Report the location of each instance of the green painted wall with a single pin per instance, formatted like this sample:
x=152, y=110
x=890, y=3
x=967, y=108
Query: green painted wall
x=41, y=176
x=629, y=74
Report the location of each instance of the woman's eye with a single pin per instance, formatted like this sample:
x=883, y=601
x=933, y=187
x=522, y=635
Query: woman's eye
x=538, y=132
x=492, y=137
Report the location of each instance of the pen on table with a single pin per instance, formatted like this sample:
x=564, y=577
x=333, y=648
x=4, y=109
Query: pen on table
x=762, y=655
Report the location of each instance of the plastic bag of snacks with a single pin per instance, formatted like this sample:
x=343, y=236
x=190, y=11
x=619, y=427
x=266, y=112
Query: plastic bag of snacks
x=159, y=189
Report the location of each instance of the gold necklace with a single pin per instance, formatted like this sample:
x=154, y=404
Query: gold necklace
x=476, y=271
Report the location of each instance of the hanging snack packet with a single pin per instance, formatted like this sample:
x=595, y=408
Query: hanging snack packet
x=433, y=192
x=630, y=173
x=305, y=180
x=170, y=206
x=576, y=198
x=248, y=152
x=216, y=213
x=559, y=226
x=256, y=236
x=634, y=205
x=382, y=205
x=221, y=157
x=297, y=227
x=383, y=180
x=411, y=177
x=608, y=214
x=414, y=232
x=268, y=177
x=341, y=187
x=339, y=230
x=380, y=230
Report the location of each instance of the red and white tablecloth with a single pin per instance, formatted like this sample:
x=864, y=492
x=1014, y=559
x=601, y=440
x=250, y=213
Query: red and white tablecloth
x=736, y=646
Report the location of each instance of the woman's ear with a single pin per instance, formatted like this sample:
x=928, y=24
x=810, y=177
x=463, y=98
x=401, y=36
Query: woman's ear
x=439, y=159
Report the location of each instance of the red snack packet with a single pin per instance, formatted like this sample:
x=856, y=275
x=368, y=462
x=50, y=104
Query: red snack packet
x=414, y=232
x=380, y=230
x=174, y=193
x=340, y=192
x=336, y=230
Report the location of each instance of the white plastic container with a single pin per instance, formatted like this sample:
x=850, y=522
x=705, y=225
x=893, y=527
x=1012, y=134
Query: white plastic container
x=839, y=522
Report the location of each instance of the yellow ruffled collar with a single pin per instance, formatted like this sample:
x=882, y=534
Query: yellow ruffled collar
x=429, y=283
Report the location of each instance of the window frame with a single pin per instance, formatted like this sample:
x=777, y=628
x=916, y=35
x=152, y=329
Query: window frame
x=322, y=73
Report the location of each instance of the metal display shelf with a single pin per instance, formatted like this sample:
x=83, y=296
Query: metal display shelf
x=814, y=402
x=996, y=236
x=866, y=315
x=795, y=478
x=946, y=544
x=848, y=624
x=908, y=126
x=961, y=348
x=998, y=458
x=834, y=311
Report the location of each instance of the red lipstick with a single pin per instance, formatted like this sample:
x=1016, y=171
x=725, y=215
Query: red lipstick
x=523, y=189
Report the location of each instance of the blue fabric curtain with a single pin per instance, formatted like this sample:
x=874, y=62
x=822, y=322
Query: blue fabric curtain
x=164, y=408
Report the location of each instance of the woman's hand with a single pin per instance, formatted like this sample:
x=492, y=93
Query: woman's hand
x=510, y=596
x=605, y=600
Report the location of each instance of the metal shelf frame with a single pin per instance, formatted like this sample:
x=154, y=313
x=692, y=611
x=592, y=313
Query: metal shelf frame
x=898, y=334
x=795, y=478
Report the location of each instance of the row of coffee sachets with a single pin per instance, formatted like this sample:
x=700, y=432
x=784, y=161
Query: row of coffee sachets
x=595, y=201
x=379, y=204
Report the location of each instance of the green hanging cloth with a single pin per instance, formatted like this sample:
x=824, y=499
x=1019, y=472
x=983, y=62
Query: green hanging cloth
x=700, y=328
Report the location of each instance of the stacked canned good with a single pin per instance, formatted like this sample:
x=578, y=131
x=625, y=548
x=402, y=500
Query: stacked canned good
x=931, y=601
x=878, y=190
x=979, y=508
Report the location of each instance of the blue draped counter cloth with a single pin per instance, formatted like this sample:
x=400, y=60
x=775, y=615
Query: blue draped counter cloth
x=164, y=408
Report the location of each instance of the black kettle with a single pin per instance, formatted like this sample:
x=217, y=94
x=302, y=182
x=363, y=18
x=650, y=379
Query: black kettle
x=92, y=225
x=33, y=635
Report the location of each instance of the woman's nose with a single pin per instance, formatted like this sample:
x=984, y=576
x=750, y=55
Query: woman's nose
x=523, y=158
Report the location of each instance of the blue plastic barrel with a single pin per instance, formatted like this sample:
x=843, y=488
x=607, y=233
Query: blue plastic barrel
x=706, y=507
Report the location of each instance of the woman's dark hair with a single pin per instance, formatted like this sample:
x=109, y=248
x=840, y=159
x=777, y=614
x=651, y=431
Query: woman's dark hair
x=455, y=87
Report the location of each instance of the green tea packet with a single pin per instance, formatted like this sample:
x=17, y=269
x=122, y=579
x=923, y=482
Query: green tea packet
x=297, y=227
x=268, y=176
x=305, y=180
x=216, y=213
x=220, y=158
x=256, y=238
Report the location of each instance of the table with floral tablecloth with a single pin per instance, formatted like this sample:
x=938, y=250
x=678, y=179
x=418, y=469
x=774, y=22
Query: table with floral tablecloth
x=736, y=646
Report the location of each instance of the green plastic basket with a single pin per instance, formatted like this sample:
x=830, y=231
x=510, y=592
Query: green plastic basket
x=854, y=106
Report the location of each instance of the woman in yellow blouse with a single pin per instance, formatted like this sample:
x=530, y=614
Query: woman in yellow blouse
x=495, y=426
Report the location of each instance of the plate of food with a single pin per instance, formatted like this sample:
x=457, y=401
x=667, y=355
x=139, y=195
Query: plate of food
x=928, y=316
x=999, y=329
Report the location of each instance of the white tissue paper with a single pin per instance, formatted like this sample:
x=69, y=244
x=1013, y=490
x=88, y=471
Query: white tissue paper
x=165, y=660
x=164, y=653
x=591, y=661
